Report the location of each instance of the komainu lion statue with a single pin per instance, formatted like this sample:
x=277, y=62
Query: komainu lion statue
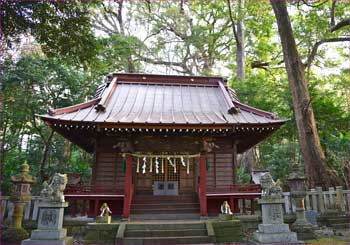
x=269, y=187
x=54, y=191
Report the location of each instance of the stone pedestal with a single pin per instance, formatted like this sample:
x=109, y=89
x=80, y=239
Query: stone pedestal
x=273, y=230
x=104, y=219
x=50, y=225
x=225, y=216
x=301, y=226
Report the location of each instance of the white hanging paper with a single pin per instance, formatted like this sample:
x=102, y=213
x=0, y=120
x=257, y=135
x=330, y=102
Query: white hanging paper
x=144, y=165
x=162, y=165
x=157, y=165
x=138, y=165
x=188, y=166
x=183, y=161
x=171, y=162
x=151, y=165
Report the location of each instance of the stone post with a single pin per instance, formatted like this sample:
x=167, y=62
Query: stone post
x=298, y=193
x=331, y=192
x=320, y=199
x=314, y=199
x=340, y=199
x=51, y=211
x=307, y=202
x=272, y=230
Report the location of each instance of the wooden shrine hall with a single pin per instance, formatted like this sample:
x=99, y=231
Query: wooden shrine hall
x=163, y=144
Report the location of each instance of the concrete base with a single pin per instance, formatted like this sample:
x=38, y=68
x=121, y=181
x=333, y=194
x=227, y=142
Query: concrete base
x=304, y=231
x=271, y=233
x=65, y=241
x=225, y=216
x=278, y=238
x=104, y=219
x=48, y=234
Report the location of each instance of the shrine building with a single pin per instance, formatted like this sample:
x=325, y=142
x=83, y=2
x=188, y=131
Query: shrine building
x=163, y=145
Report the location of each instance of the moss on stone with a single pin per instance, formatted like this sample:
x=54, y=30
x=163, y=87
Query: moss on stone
x=101, y=233
x=228, y=231
x=329, y=240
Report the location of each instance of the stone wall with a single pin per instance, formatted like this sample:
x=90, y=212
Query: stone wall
x=101, y=233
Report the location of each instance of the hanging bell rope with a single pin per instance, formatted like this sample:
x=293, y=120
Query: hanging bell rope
x=163, y=156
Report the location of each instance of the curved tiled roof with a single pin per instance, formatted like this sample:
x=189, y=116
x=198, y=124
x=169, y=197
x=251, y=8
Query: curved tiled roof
x=164, y=100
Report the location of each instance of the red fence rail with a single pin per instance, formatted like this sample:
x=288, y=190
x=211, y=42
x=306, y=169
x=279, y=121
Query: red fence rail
x=93, y=189
x=237, y=188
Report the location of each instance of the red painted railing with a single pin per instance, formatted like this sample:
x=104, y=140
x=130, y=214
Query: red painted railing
x=93, y=189
x=237, y=188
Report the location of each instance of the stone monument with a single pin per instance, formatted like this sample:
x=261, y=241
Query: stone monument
x=272, y=230
x=51, y=211
x=20, y=193
x=297, y=185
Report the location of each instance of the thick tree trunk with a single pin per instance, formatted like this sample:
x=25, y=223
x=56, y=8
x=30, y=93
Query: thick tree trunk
x=314, y=158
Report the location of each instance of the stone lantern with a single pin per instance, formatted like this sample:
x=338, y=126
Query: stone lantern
x=20, y=193
x=297, y=185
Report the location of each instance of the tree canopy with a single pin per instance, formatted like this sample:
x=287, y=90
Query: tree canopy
x=56, y=54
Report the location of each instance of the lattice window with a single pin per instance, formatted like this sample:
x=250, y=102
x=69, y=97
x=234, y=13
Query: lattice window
x=168, y=174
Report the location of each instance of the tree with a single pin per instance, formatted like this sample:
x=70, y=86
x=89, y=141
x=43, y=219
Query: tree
x=31, y=86
x=62, y=29
x=313, y=155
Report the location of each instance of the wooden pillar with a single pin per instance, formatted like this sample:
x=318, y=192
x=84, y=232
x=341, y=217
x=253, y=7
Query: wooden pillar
x=96, y=207
x=232, y=204
x=252, y=206
x=83, y=208
x=91, y=212
x=74, y=208
x=243, y=204
x=234, y=162
x=236, y=206
x=203, y=186
x=127, y=187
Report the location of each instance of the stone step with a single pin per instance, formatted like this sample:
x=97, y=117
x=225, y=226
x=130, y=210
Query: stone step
x=173, y=210
x=164, y=205
x=165, y=233
x=166, y=226
x=166, y=216
x=336, y=220
x=168, y=240
x=341, y=226
x=178, y=198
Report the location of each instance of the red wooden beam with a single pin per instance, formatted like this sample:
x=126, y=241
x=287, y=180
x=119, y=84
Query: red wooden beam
x=202, y=187
x=127, y=187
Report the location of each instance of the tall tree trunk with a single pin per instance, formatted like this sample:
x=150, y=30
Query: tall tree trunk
x=47, y=144
x=240, y=55
x=314, y=158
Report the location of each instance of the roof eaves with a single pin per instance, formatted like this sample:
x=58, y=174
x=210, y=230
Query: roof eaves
x=73, y=108
x=101, y=106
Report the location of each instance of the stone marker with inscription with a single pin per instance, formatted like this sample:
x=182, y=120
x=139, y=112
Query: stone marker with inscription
x=273, y=230
x=51, y=212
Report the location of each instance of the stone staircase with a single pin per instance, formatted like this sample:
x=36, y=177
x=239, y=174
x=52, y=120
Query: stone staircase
x=149, y=207
x=166, y=233
x=339, y=222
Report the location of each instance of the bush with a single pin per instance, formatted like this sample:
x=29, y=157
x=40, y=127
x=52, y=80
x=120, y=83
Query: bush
x=14, y=236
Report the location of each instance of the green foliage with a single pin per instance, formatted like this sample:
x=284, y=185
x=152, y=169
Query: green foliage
x=31, y=85
x=243, y=177
x=187, y=37
x=63, y=29
x=13, y=235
